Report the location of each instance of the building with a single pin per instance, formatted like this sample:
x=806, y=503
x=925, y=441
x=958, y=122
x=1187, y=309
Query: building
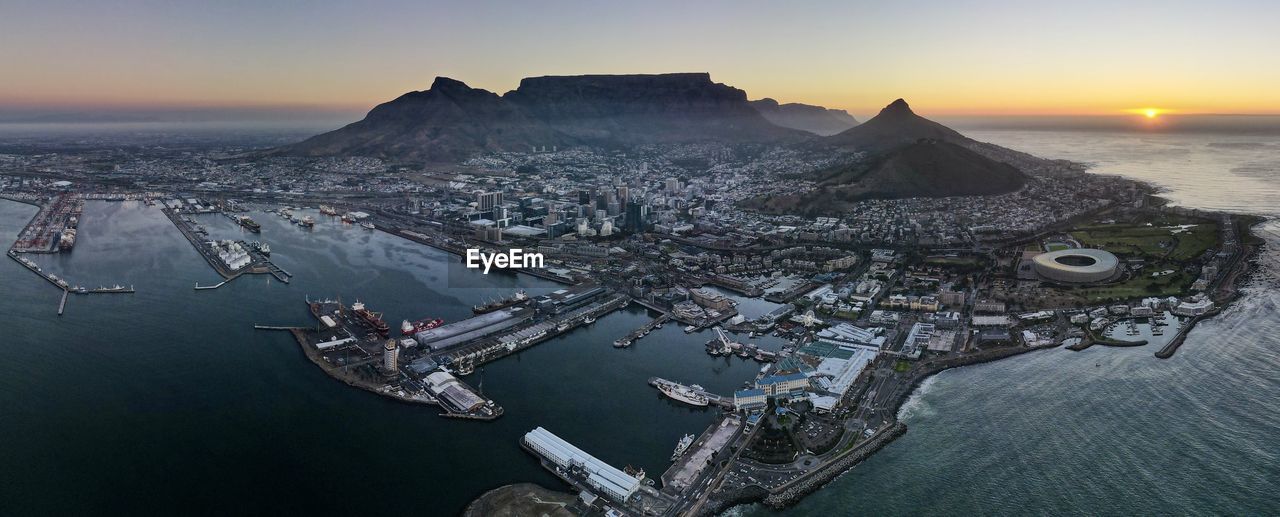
x=1196, y=306
x=598, y=475
x=1076, y=266
x=486, y=201
x=711, y=299
x=749, y=399
x=783, y=385
x=390, y=356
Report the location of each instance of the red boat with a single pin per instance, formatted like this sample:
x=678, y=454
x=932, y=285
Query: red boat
x=372, y=319
x=409, y=328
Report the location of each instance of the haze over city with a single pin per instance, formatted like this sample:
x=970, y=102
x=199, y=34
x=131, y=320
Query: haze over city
x=985, y=58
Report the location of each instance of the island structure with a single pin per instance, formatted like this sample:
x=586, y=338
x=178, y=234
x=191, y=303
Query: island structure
x=886, y=268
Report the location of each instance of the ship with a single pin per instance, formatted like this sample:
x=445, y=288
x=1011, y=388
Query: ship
x=682, y=446
x=683, y=394
x=410, y=328
x=261, y=247
x=328, y=210
x=368, y=226
x=371, y=319
x=634, y=472
x=518, y=297
x=307, y=222
x=348, y=218
x=589, y=320
x=249, y=224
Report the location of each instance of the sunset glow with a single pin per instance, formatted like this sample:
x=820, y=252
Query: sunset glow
x=836, y=54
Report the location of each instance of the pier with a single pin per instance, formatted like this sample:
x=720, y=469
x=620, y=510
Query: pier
x=260, y=264
x=62, y=305
x=636, y=334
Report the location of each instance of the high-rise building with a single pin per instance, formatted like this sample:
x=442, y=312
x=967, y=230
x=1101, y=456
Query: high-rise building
x=390, y=356
x=487, y=200
x=673, y=185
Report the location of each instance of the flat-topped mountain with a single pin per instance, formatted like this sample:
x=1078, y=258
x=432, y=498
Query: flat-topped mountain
x=805, y=117
x=451, y=121
x=630, y=109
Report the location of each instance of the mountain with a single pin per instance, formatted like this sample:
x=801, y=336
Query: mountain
x=814, y=119
x=612, y=110
x=898, y=154
x=895, y=126
x=451, y=121
x=445, y=123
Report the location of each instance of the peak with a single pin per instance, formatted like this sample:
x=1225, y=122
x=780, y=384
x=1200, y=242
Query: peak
x=445, y=83
x=898, y=106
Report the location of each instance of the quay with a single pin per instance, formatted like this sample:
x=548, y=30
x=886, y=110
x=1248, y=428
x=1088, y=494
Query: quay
x=61, y=283
x=690, y=466
x=258, y=263
x=485, y=349
x=348, y=348
x=712, y=398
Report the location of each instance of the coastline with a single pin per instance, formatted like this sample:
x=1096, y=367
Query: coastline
x=795, y=490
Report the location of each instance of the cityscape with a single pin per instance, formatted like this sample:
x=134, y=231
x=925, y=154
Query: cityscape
x=636, y=294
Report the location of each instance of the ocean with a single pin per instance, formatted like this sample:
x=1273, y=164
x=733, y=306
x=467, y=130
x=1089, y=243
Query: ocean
x=169, y=402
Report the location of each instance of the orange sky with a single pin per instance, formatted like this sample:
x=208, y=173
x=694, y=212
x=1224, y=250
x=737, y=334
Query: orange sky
x=943, y=57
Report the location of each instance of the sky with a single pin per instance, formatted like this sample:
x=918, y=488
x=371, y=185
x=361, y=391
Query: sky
x=945, y=57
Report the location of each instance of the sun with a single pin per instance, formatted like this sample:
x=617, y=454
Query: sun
x=1151, y=112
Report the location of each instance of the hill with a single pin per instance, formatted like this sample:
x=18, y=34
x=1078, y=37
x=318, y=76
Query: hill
x=814, y=119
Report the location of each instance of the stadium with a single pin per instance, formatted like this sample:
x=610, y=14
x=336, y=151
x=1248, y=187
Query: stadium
x=1077, y=266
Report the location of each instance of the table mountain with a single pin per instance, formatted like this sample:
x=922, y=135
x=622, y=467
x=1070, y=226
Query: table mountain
x=451, y=121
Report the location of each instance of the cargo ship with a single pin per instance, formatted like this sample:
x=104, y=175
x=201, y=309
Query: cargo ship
x=688, y=395
x=371, y=319
x=518, y=297
x=250, y=224
x=410, y=328
x=307, y=222
x=67, y=239
x=682, y=446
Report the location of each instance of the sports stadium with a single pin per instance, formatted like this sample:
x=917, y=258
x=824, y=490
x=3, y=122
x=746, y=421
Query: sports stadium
x=1077, y=266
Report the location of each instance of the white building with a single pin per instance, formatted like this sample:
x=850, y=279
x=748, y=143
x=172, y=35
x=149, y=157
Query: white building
x=609, y=481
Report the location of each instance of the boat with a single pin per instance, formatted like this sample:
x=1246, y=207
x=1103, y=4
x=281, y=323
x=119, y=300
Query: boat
x=348, y=218
x=368, y=226
x=249, y=224
x=518, y=297
x=328, y=210
x=690, y=329
x=622, y=343
x=307, y=222
x=588, y=320
x=683, y=394
x=410, y=328
x=682, y=446
x=634, y=472
x=371, y=319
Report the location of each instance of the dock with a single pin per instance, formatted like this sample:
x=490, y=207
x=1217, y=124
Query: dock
x=260, y=264
x=62, y=305
x=488, y=349
x=214, y=286
x=627, y=340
